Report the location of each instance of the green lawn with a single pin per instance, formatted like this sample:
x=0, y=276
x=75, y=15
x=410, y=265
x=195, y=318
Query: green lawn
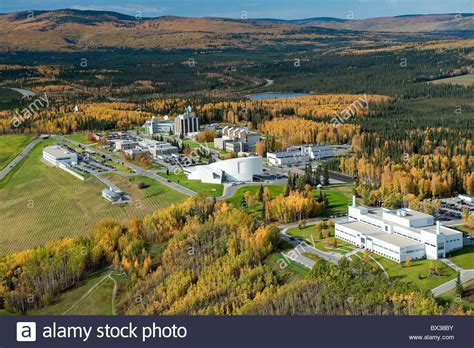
x=40, y=203
x=236, y=199
x=464, y=257
x=11, y=145
x=311, y=256
x=308, y=232
x=320, y=245
x=210, y=190
x=278, y=260
x=418, y=267
x=79, y=138
x=81, y=300
x=339, y=196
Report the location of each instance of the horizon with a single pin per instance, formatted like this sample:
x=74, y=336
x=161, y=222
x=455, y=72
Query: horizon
x=255, y=9
x=251, y=18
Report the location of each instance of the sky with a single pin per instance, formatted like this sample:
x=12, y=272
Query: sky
x=282, y=9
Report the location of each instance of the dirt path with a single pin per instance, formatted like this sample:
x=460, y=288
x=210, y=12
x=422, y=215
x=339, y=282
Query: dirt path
x=89, y=292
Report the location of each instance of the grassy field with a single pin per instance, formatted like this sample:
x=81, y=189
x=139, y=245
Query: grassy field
x=296, y=270
x=92, y=296
x=418, y=267
x=79, y=138
x=11, y=145
x=339, y=196
x=464, y=80
x=210, y=190
x=463, y=258
x=236, y=199
x=40, y=203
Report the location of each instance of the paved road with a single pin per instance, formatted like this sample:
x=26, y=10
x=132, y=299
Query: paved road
x=18, y=159
x=138, y=170
x=466, y=275
x=300, y=247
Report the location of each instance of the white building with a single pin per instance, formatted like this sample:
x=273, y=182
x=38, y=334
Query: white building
x=237, y=139
x=114, y=195
x=124, y=144
x=304, y=153
x=155, y=126
x=56, y=155
x=186, y=123
x=398, y=234
x=236, y=169
x=163, y=149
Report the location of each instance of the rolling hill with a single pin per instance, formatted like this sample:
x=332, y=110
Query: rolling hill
x=75, y=30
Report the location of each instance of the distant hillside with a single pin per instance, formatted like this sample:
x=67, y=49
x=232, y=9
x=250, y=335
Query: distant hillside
x=407, y=23
x=74, y=30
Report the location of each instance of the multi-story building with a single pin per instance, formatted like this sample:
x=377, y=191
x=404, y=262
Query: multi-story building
x=398, y=234
x=56, y=155
x=155, y=126
x=125, y=144
x=305, y=153
x=163, y=149
x=237, y=139
x=186, y=123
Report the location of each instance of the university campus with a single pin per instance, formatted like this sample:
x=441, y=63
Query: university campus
x=225, y=166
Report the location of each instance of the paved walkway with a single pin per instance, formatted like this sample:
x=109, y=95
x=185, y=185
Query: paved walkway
x=300, y=247
x=466, y=275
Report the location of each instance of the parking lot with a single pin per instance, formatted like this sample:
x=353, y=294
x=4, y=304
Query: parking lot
x=452, y=208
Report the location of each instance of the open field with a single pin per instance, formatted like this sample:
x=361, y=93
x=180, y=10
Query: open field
x=79, y=138
x=464, y=257
x=92, y=296
x=11, y=145
x=418, y=268
x=339, y=196
x=463, y=80
x=40, y=203
x=210, y=190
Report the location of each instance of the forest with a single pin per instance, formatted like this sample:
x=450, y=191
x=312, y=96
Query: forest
x=214, y=261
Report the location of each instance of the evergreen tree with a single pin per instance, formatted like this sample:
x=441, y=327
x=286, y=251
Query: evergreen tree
x=325, y=176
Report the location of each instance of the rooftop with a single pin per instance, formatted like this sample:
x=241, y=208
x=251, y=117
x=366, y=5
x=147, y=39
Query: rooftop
x=377, y=233
x=57, y=151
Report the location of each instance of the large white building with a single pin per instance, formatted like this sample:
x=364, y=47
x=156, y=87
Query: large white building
x=56, y=155
x=155, y=126
x=186, y=123
x=398, y=234
x=236, y=169
x=305, y=153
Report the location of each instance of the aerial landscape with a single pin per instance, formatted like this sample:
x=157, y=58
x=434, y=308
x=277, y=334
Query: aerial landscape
x=237, y=164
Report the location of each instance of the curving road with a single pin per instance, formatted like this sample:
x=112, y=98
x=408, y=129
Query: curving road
x=4, y=172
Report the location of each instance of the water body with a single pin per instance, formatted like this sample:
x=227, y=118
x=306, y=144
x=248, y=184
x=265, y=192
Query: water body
x=270, y=95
